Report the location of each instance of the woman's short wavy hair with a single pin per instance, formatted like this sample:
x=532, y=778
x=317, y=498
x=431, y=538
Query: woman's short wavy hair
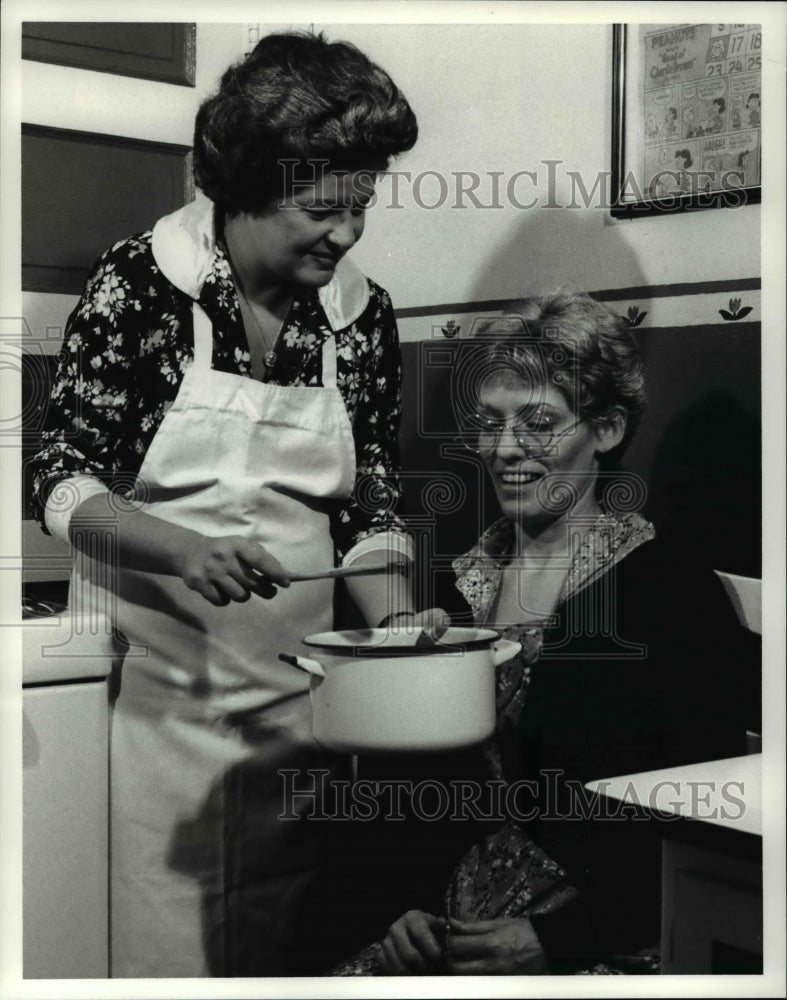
x=577, y=345
x=295, y=100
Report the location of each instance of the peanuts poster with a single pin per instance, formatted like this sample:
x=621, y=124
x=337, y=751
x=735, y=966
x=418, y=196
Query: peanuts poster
x=701, y=106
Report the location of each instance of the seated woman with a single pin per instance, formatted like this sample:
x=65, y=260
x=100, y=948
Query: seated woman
x=628, y=663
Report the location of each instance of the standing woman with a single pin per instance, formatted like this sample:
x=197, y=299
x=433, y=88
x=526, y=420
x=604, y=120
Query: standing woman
x=228, y=403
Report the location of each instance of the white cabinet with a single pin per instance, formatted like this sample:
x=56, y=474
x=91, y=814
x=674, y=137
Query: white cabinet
x=65, y=814
x=712, y=918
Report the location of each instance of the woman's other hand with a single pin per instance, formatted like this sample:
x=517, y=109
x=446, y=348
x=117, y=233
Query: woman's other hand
x=432, y=621
x=231, y=568
x=504, y=947
x=413, y=945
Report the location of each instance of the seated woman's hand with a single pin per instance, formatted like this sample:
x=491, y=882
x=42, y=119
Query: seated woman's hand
x=503, y=947
x=432, y=621
x=231, y=568
x=413, y=945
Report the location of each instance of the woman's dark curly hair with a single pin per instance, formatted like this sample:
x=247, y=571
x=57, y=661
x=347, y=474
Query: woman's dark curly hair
x=294, y=100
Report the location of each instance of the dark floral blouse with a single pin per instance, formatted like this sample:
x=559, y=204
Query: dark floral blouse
x=129, y=341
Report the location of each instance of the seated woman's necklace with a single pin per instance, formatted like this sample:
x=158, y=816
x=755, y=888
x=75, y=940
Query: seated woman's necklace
x=248, y=313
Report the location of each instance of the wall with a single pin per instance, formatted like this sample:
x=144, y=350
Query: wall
x=507, y=98
x=489, y=98
x=497, y=100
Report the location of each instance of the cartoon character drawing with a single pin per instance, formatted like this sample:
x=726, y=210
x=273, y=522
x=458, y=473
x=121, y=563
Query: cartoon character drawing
x=717, y=49
x=740, y=166
x=687, y=118
x=735, y=112
x=711, y=168
x=753, y=107
x=715, y=121
x=683, y=161
x=670, y=123
x=661, y=186
x=651, y=128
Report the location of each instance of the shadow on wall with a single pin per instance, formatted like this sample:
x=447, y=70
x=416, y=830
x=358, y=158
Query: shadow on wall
x=699, y=445
x=697, y=448
x=705, y=487
x=446, y=491
x=556, y=247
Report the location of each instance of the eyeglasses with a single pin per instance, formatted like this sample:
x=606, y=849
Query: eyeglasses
x=534, y=440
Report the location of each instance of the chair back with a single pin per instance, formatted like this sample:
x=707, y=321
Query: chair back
x=745, y=592
x=746, y=595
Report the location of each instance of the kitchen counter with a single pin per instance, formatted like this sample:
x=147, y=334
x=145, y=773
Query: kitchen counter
x=711, y=915
x=725, y=793
x=61, y=648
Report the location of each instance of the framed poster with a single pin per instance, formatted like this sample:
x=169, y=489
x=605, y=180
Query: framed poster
x=686, y=117
x=148, y=50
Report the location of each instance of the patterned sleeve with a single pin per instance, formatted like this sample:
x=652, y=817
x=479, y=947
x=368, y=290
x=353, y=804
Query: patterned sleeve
x=372, y=507
x=92, y=425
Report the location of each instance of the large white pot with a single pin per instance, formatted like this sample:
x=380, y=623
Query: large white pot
x=374, y=690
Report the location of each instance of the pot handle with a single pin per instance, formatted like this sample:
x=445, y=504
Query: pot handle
x=303, y=663
x=505, y=649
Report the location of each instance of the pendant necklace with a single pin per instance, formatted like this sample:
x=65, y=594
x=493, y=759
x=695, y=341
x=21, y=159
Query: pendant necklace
x=269, y=357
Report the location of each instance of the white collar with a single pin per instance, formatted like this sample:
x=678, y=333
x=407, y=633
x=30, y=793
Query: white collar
x=184, y=247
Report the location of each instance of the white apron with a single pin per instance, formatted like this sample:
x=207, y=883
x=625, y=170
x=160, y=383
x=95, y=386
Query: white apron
x=205, y=879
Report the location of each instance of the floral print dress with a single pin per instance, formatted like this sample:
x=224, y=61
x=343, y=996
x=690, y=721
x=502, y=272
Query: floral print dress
x=507, y=875
x=129, y=341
